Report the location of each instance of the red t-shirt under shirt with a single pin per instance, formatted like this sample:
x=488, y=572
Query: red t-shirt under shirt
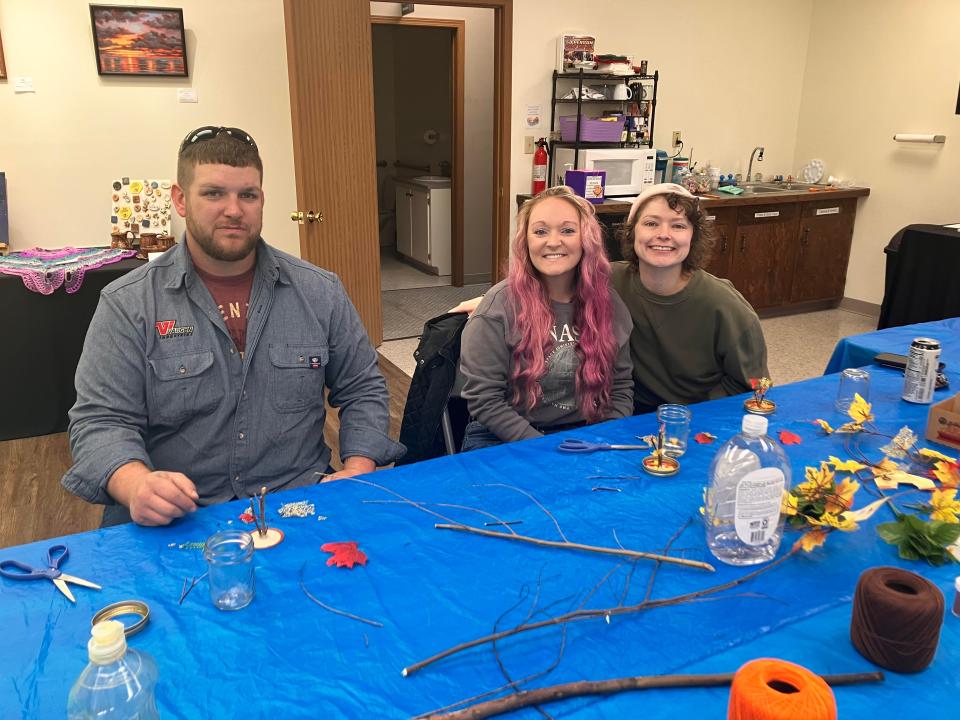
x=232, y=296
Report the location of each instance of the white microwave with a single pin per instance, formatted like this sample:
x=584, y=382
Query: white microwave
x=629, y=170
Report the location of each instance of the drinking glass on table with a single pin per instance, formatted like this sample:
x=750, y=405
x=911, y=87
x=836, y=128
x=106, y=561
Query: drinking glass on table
x=853, y=381
x=676, y=422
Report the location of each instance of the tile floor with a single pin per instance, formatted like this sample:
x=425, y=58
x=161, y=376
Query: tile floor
x=397, y=275
x=798, y=346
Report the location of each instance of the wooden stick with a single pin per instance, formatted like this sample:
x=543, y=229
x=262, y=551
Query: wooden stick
x=577, y=546
x=580, y=688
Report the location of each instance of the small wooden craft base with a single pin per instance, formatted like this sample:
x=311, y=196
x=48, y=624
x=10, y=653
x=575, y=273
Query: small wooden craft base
x=667, y=466
x=766, y=407
x=272, y=538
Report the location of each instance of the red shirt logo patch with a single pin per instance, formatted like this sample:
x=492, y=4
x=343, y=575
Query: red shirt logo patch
x=168, y=329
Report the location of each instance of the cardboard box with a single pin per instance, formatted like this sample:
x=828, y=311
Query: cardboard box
x=943, y=422
x=587, y=184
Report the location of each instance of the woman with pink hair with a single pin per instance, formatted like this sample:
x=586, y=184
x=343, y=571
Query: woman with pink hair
x=548, y=348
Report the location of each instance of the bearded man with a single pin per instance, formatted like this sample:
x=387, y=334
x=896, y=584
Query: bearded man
x=203, y=373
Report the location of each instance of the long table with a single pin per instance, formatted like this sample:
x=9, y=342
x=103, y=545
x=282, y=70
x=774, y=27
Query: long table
x=44, y=336
x=430, y=588
x=859, y=350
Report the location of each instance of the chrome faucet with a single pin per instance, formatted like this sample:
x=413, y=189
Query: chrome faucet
x=749, y=177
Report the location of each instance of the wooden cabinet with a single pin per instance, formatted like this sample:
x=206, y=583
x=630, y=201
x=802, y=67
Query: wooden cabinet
x=761, y=267
x=724, y=223
x=404, y=195
x=423, y=226
x=823, y=250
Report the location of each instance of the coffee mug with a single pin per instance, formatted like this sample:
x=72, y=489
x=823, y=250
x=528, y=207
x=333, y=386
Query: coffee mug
x=622, y=92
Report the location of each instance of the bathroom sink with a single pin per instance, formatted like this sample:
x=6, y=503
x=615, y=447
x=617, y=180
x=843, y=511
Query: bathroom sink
x=432, y=180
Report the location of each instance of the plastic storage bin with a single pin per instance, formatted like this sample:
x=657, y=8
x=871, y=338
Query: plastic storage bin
x=591, y=129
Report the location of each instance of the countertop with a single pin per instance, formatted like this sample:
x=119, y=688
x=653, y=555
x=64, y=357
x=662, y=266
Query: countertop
x=717, y=200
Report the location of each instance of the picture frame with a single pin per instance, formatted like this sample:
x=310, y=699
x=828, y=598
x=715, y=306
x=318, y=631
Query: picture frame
x=136, y=40
x=3, y=64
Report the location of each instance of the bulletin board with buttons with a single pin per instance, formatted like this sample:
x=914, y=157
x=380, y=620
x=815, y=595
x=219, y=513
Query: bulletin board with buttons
x=140, y=206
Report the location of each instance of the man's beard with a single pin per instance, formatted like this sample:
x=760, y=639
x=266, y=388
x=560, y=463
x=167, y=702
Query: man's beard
x=216, y=251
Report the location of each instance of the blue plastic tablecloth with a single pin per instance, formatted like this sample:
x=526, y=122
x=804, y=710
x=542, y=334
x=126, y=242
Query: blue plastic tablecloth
x=284, y=656
x=859, y=350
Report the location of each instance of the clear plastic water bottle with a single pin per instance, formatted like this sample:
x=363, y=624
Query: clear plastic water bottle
x=748, y=477
x=118, y=684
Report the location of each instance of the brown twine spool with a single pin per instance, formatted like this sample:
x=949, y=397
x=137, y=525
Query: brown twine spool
x=769, y=689
x=896, y=619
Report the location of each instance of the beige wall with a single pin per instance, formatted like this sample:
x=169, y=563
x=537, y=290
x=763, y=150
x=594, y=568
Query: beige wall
x=875, y=68
x=62, y=146
x=731, y=74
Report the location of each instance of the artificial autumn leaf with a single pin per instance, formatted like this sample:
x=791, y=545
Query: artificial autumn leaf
x=900, y=445
x=789, y=438
x=891, y=480
x=850, y=427
x=859, y=410
x=812, y=539
x=345, y=554
x=832, y=520
x=867, y=511
x=947, y=473
x=824, y=425
x=704, y=438
x=247, y=518
x=817, y=480
x=944, y=505
x=932, y=455
x=846, y=465
x=843, y=497
x=789, y=504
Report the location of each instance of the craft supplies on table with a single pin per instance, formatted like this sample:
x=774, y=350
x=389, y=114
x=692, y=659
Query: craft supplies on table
x=56, y=555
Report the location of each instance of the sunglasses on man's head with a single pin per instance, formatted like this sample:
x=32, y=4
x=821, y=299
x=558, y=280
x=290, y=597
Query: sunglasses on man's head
x=208, y=132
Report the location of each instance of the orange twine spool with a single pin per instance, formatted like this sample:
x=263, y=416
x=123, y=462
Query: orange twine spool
x=768, y=689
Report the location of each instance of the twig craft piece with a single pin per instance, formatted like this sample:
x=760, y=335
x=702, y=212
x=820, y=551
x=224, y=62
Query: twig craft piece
x=758, y=404
x=344, y=554
x=330, y=608
x=265, y=537
x=658, y=462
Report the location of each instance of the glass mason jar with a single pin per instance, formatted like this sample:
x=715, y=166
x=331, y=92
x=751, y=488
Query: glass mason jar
x=676, y=422
x=229, y=556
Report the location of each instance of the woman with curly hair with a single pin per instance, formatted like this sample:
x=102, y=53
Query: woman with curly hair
x=547, y=349
x=694, y=336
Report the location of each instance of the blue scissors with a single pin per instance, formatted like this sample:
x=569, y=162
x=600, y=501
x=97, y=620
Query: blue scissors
x=582, y=446
x=16, y=570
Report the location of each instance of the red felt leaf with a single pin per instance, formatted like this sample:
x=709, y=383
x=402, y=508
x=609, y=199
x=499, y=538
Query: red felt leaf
x=789, y=438
x=345, y=554
x=247, y=518
x=754, y=382
x=704, y=438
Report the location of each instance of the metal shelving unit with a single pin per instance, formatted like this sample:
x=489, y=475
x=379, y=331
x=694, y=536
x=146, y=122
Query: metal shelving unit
x=584, y=78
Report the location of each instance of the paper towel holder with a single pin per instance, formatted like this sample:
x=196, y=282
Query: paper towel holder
x=919, y=138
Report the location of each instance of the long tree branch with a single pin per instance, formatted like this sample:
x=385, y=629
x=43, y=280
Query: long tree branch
x=608, y=687
x=634, y=554
x=603, y=612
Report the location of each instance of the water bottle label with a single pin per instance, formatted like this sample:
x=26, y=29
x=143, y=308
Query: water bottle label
x=757, y=514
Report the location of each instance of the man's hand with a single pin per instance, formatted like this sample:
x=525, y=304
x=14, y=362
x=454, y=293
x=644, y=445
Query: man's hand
x=154, y=497
x=354, y=465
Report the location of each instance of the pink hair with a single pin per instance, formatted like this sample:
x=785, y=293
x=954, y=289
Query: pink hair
x=592, y=314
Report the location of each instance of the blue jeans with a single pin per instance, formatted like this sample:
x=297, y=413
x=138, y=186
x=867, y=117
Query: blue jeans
x=476, y=436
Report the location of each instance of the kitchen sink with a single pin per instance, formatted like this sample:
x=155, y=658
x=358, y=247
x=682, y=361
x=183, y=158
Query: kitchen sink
x=758, y=189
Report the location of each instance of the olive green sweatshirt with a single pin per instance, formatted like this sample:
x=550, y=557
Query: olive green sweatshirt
x=702, y=342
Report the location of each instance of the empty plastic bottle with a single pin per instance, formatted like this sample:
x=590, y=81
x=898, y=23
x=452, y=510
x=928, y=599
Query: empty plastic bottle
x=748, y=478
x=118, y=684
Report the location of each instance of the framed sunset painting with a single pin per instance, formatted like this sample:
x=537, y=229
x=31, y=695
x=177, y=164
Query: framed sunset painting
x=134, y=40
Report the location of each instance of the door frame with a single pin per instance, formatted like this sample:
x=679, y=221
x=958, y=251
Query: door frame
x=459, y=28
x=502, y=88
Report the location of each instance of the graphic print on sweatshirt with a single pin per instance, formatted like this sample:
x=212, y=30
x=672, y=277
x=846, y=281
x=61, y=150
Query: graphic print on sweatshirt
x=559, y=382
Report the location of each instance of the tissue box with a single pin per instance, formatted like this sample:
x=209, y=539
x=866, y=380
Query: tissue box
x=589, y=184
x=943, y=422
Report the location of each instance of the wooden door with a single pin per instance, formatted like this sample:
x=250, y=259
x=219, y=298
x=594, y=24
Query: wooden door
x=761, y=267
x=330, y=61
x=826, y=233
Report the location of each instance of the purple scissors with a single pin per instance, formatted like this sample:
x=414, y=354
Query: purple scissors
x=16, y=570
x=582, y=446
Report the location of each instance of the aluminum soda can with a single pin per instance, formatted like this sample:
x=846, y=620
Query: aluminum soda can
x=920, y=375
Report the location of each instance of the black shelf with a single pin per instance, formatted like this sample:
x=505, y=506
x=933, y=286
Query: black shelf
x=581, y=78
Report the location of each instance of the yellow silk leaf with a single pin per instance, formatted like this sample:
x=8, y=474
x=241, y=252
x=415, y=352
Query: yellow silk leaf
x=867, y=511
x=844, y=496
x=824, y=425
x=846, y=465
x=812, y=539
x=850, y=427
x=945, y=506
x=859, y=410
x=839, y=522
x=932, y=455
x=894, y=478
x=789, y=504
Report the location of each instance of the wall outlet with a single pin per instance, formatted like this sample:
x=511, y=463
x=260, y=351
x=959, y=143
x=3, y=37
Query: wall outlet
x=676, y=138
x=528, y=145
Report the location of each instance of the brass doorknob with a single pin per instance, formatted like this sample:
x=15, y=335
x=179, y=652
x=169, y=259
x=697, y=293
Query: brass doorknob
x=297, y=216
x=314, y=216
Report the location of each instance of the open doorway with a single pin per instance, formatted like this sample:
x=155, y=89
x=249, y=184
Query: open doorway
x=435, y=199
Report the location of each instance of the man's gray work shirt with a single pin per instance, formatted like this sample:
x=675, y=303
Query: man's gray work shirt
x=161, y=381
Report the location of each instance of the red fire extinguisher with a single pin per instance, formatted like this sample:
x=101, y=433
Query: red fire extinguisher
x=540, y=167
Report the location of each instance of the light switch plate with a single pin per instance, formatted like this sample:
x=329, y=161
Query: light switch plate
x=528, y=146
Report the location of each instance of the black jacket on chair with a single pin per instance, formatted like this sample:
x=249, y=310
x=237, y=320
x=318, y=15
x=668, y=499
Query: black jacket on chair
x=437, y=356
